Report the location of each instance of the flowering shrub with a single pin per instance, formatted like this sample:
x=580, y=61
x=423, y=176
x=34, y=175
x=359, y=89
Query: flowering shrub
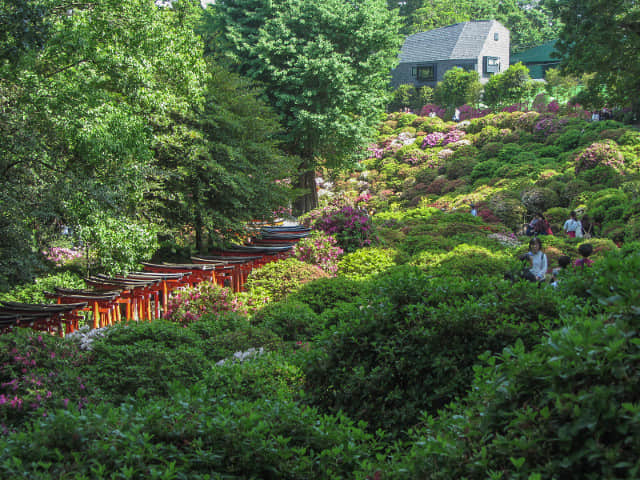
x=452, y=136
x=432, y=139
x=38, y=374
x=319, y=249
x=516, y=107
x=445, y=153
x=553, y=107
x=60, y=256
x=467, y=112
x=547, y=125
x=604, y=153
x=350, y=225
x=189, y=304
x=432, y=108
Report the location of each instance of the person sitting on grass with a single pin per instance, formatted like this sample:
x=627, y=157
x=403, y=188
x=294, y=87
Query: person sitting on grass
x=586, y=249
x=537, y=260
x=563, y=262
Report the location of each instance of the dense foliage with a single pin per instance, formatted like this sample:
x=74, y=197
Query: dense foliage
x=419, y=353
x=325, y=65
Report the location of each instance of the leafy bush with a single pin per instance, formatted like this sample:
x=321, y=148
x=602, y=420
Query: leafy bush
x=290, y=319
x=412, y=345
x=351, y=227
x=567, y=409
x=34, y=292
x=319, y=249
x=537, y=199
x=189, y=304
x=224, y=336
x=508, y=209
x=263, y=375
x=471, y=261
x=604, y=153
x=607, y=205
x=39, y=373
x=276, y=280
x=145, y=359
x=366, y=262
x=195, y=435
x=325, y=293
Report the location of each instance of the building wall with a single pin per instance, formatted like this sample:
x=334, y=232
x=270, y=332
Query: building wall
x=403, y=73
x=495, y=48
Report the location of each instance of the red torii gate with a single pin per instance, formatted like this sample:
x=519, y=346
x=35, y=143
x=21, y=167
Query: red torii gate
x=51, y=318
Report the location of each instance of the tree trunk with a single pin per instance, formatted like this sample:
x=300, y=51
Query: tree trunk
x=309, y=199
x=199, y=227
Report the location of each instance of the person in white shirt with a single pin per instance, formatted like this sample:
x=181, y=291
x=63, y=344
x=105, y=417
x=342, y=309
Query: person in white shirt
x=573, y=226
x=537, y=259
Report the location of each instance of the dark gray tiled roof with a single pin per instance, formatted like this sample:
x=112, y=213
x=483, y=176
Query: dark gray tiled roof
x=459, y=41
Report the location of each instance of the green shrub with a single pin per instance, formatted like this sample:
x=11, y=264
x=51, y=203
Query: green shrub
x=607, y=205
x=412, y=346
x=601, y=177
x=484, y=169
x=33, y=292
x=469, y=261
x=567, y=409
x=195, y=435
x=263, y=375
x=276, y=280
x=290, y=319
x=508, y=209
x=569, y=139
x=538, y=199
x=366, y=262
x=325, y=293
x=144, y=359
x=632, y=229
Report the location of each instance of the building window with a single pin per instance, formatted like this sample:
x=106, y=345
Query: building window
x=424, y=73
x=491, y=65
x=496, y=36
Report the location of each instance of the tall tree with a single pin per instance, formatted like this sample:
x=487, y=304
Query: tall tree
x=325, y=67
x=85, y=106
x=220, y=162
x=602, y=37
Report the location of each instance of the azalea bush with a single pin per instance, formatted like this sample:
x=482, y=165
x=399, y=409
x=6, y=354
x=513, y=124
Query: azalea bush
x=61, y=256
x=276, y=280
x=292, y=320
x=39, y=374
x=599, y=154
x=366, y=262
x=190, y=304
x=319, y=249
x=411, y=345
x=351, y=226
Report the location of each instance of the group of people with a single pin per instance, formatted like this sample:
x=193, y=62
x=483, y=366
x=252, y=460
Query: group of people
x=537, y=264
x=578, y=228
x=573, y=227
